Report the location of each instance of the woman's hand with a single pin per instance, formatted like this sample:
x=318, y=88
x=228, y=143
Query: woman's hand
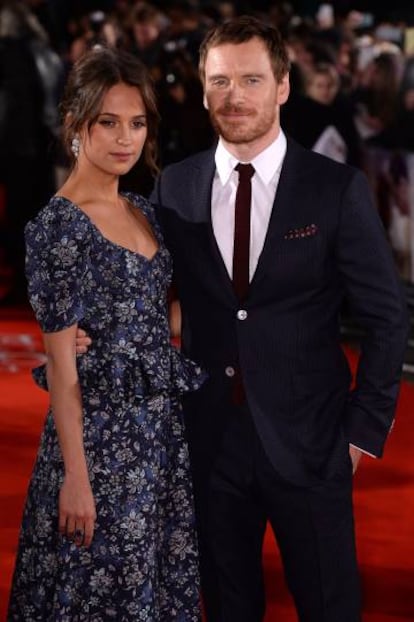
x=77, y=512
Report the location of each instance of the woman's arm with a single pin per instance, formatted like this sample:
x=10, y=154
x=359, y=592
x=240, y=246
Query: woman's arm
x=76, y=502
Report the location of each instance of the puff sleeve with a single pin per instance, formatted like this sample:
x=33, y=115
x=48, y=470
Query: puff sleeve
x=56, y=265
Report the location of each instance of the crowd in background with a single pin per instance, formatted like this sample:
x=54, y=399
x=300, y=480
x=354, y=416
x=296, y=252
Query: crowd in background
x=352, y=95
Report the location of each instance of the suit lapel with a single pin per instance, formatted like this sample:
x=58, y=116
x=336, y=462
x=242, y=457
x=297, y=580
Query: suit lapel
x=202, y=182
x=281, y=213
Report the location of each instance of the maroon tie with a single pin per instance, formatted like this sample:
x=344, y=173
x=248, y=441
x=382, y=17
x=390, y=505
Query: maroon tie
x=242, y=230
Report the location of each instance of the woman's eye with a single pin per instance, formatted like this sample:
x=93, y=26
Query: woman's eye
x=138, y=124
x=107, y=122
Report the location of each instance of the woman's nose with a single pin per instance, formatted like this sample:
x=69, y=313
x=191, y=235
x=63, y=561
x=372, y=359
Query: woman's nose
x=124, y=136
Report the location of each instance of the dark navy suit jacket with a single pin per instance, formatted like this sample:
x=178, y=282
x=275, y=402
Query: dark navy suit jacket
x=325, y=242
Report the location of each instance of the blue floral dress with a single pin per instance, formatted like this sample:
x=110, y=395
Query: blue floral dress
x=142, y=564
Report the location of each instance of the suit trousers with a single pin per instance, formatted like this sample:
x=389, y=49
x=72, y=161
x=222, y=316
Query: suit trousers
x=313, y=526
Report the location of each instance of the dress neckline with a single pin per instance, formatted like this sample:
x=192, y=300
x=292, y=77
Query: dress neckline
x=103, y=237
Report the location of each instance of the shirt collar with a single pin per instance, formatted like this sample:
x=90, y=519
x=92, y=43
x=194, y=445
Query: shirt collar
x=266, y=163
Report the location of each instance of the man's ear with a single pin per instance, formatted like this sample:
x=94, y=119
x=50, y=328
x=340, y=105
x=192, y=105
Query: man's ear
x=283, y=90
x=205, y=102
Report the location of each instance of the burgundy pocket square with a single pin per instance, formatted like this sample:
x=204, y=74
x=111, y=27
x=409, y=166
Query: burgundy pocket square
x=302, y=232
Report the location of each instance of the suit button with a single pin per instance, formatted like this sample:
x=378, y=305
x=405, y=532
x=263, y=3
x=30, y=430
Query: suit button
x=242, y=314
x=230, y=372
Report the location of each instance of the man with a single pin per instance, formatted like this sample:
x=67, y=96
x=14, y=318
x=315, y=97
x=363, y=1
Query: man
x=272, y=432
x=276, y=431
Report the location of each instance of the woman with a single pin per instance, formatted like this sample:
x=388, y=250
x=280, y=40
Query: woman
x=108, y=527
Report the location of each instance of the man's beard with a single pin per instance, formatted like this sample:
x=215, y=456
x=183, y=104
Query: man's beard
x=246, y=131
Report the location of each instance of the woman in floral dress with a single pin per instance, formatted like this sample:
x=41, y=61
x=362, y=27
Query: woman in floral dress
x=108, y=529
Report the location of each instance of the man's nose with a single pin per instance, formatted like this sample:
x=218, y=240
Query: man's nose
x=235, y=92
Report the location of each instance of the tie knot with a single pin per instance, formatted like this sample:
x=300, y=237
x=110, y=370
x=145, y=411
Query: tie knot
x=246, y=171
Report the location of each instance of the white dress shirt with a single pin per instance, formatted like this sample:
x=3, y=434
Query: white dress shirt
x=267, y=167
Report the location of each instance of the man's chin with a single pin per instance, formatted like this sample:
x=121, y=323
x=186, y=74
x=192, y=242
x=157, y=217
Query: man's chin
x=235, y=133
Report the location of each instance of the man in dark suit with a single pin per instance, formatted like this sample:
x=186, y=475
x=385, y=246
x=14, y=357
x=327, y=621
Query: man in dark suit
x=277, y=431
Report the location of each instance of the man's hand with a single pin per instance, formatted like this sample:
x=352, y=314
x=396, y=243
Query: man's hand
x=82, y=341
x=356, y=455
x=175, y=319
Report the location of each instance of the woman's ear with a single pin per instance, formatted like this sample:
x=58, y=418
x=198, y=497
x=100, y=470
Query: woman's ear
x=68, y=119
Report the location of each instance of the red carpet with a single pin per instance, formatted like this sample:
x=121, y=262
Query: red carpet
x=384, y=491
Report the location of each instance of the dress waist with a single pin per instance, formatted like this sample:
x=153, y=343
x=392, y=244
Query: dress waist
x=158, y=370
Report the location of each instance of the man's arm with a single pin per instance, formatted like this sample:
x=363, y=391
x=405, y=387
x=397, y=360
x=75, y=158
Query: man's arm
x=376, y=300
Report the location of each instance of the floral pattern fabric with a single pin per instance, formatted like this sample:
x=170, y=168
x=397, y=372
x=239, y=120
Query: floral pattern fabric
x=142, y=564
